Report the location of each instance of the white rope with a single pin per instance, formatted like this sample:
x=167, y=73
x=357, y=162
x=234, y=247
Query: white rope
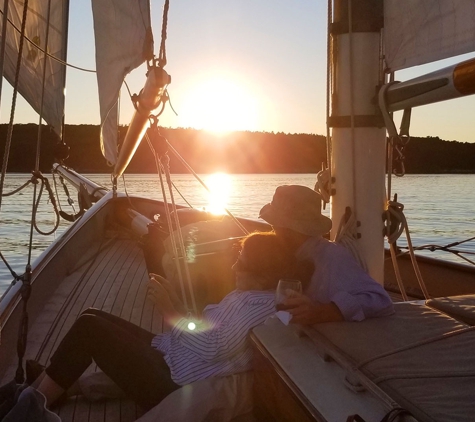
x=180, y=238
x=190, y=169
x=172, y=238
x=352, y=110
x=396, y=221
x=322, y=185
x=329, y=85
x=414, y=260
x=347, y=236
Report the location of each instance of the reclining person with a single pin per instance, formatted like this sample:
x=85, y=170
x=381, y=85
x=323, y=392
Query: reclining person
x=339, y=290
x=148, y=367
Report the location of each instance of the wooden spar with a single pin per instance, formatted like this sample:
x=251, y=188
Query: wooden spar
x=358, y=153
x=149, y=99
x=444, y=84
x=77, y=180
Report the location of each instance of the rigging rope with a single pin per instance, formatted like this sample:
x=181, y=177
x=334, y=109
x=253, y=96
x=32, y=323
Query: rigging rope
x=446, y=248
x=33, y=180
x=26, y=287
x=163, y=168
x=45, y=184
x=190, y=169
x=324, y=179
x=396, y=222
x=34, y=45
x=352, y=111
x=329, y=83
x=347, y=235
x=16, y=277
x=13, y=192
x=13, y=107
x=162, y=57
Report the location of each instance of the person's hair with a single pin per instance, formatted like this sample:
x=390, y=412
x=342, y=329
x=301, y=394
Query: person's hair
x=267, y=256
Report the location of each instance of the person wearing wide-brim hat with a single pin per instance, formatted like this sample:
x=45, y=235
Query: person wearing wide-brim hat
x=340, y=289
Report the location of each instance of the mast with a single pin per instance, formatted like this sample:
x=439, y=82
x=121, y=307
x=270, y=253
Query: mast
x=358, y=155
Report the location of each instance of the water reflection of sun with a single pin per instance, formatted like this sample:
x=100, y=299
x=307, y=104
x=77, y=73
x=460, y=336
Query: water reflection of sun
x=220, y=104
x=220, y=187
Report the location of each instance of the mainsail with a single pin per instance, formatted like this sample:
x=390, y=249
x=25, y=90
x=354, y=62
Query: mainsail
x=423, y=31
x=123, y=38
x=38, y=40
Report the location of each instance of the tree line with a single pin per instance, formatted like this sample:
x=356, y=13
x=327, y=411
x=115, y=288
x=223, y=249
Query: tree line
x=205, y=152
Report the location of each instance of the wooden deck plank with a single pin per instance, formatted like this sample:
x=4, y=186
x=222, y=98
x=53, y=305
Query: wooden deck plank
x=116, y=282
x=66, y=410
x=82, y=410
x=115, y=273
x=99, y=278
x=112, y=411
x=137, y=274
x=142, y=308
x=74, y=305
x=39, y=329
x=121, y=279
x=128, y=412
x=98, y=411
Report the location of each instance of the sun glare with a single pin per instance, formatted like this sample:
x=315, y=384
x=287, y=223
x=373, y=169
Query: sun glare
x=219, y=185
x=219, y=105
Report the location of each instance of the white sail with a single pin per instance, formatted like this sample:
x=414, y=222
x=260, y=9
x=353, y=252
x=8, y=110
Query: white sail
x=423, y=31
x=30, y=85
x=123, y=41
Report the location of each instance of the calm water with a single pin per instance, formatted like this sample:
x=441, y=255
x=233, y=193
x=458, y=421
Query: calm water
x=439, y=208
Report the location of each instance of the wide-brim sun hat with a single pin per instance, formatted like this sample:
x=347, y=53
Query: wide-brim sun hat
x=297, y=208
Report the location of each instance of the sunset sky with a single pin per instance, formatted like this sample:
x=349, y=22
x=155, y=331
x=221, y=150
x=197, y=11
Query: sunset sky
x=238, y=65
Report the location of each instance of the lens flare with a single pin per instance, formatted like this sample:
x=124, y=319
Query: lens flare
x=220, y=187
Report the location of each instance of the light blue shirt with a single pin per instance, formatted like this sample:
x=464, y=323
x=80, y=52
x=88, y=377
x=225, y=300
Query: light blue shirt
x=338, y=278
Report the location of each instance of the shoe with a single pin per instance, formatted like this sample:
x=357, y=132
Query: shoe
x=33, y=370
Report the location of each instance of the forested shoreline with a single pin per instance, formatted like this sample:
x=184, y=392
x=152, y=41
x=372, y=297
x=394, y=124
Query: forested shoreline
x=236, y=152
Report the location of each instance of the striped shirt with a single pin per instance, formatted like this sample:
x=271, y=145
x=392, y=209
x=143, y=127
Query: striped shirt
x=219, y=345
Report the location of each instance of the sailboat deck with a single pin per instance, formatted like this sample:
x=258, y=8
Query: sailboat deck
x=114, y=281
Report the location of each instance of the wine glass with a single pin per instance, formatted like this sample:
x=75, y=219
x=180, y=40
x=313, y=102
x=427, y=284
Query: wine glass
x=286, y=284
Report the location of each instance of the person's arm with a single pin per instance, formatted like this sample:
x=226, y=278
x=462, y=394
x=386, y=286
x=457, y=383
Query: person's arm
x=222, y=340
x=356, y=294
x=160, y=297
x=171, y=290
x=305, y=312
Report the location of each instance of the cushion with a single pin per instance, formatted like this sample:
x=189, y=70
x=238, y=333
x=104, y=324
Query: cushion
x=458, y=307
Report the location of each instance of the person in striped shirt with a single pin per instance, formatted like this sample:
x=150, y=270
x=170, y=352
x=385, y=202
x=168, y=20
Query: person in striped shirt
x=148, y=367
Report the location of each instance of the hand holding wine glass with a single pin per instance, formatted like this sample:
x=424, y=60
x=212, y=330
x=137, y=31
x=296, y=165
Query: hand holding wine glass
x=287, y=288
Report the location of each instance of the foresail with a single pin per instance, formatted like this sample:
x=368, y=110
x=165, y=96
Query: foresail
x=423, y=31
x=123, y=40
x=30, y=84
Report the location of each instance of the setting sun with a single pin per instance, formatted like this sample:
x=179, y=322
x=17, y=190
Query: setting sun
x=220, y=105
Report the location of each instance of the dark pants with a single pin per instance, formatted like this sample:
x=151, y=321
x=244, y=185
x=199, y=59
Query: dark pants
x=123, y=352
